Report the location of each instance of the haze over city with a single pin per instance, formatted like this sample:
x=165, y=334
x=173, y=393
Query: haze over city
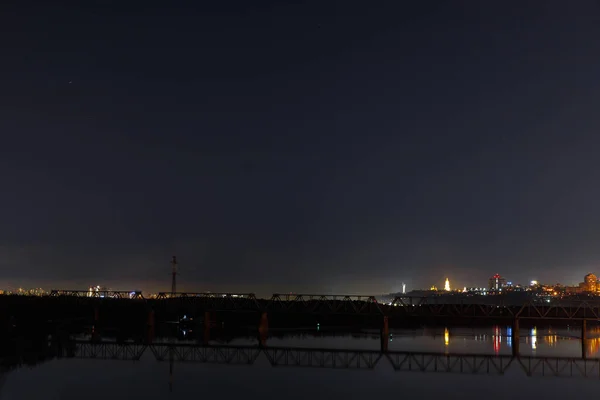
x=314, y=147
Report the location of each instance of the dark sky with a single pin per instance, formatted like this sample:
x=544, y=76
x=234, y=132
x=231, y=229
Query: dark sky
x=299, y=146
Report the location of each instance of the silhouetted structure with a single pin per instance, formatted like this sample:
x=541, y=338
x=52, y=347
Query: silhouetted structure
x=402, y=361
x=174, y=275
x=496, y=283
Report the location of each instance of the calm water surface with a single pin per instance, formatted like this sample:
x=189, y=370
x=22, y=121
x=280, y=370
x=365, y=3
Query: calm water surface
x=150, y=379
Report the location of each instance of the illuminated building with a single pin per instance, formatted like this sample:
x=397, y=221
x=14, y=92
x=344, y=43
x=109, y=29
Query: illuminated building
x=447, y=285
x=496, y=283
x=590, y=283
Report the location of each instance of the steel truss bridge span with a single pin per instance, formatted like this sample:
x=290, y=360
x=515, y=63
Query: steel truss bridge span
x=403, y=306
x=477, y=364
x=98, y=294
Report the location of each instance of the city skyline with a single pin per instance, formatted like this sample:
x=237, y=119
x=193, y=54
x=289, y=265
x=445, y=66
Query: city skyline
x=302, y=147
x=189, y=287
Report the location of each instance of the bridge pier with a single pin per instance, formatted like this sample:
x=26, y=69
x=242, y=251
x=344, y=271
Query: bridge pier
x=263, y=329
x=151, y=324
x=206, y=337
x=583, y=338
x=385, y=335
x=515, y=337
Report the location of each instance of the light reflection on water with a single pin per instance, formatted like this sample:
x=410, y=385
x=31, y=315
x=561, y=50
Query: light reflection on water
x=68, y=379
x=543, y=342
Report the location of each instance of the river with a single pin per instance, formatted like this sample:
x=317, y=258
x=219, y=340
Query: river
x=456, y=362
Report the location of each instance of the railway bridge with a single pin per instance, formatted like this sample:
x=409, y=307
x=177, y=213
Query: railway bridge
x=497, y=307
x=204, y=306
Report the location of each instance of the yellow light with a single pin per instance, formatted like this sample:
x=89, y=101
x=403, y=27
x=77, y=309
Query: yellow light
x=446, y=337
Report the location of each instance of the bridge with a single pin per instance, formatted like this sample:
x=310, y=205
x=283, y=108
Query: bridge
x=98, y=294
x=400, y=361
x=491, y=307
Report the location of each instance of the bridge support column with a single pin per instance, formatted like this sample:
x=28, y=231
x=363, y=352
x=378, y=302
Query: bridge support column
x=206, y=337
x=151, y=323
x=263, y=329
x=515, y=337
x=385, y=335
x=583, y=338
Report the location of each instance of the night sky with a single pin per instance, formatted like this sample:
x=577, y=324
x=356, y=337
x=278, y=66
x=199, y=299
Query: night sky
x=278, y=146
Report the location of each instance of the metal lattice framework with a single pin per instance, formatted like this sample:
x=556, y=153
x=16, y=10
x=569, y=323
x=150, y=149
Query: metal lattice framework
x=103, y=350
x=570, y=310
x=403, y=306
x=322, y=358
x=110, y=294
x=339, y=358
x=214, y=301
x=496, y=307
x=323, y=304
x=206, y=354
x=561, y=367
x=452, y=363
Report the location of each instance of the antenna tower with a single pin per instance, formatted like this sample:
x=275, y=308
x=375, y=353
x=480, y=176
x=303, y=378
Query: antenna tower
x=174, y=272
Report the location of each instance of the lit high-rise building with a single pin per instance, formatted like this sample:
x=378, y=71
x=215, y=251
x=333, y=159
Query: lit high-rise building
x=447, y=285
x=496, y=283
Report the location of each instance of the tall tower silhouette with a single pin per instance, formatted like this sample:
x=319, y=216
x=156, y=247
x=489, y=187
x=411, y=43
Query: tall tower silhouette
x=174, y=272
